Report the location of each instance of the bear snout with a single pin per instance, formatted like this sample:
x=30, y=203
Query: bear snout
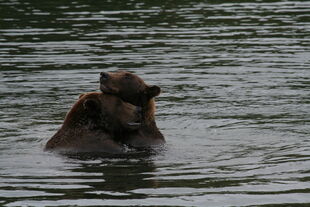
x=136, y=122
x=139, y=113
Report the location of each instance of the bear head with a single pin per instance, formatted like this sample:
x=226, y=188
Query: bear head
x=103, y=111
x=129, y=87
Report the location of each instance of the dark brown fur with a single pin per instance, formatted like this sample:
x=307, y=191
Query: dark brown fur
x=132, y=89
x=92, y=122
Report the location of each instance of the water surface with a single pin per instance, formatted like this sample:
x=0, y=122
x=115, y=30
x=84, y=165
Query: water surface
x=235, y=77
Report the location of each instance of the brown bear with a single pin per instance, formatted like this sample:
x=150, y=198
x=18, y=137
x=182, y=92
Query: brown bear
x=93, y=123
x=132, y=89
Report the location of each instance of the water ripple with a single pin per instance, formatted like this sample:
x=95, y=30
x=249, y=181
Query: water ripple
x=234, y=106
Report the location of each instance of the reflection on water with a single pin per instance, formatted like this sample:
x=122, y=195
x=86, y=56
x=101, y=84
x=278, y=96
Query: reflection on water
x=234, y=109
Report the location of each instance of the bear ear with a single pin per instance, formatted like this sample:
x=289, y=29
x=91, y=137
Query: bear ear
x=91, y=106
x=81, y=95
x=152, y=91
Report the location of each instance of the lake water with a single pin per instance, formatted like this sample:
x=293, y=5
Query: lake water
x=234, y=108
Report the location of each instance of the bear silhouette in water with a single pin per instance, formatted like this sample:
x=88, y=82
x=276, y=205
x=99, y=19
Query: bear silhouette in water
x=93, y=124
x=132, y=89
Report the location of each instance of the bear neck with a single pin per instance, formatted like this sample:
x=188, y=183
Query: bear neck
x=76, y=128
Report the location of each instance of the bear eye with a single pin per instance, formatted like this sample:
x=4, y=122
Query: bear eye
x=127, y=77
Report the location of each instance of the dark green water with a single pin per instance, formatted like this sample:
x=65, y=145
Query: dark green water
x=235, y=107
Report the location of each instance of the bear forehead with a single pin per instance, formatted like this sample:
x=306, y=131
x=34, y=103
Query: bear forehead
x=122, y=74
